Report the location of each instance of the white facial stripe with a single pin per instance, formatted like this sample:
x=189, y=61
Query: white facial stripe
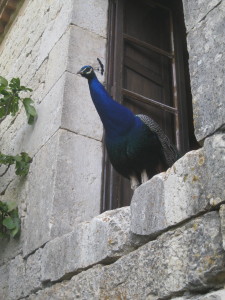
x=88, y=72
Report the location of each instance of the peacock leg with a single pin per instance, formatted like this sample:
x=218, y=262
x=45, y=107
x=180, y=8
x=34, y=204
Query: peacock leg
x=144, y=176
x=134, y=182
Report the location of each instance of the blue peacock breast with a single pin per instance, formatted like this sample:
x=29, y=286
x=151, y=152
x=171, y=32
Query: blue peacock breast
x=134, y=151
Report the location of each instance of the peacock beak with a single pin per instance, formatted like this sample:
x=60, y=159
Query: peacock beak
x=79, y=72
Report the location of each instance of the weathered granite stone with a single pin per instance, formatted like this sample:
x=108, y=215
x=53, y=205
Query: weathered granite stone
x=222, y=218
x=214, y=152
x=79, y=114
x=206, y=45
x=96, y=15
x=32, y=278
x=195, y=11
x=84, y=48
x=70, y=174
x=39, y=197
x=218, y=295
x=78, y=182
x=61, y=14
x=192, y=185
x=84, y=286
x=4, y=280
x=16, y=270
x=23, y=137
x=104, y=238
x=24, y=276
x=32, y=138
x=190, y=258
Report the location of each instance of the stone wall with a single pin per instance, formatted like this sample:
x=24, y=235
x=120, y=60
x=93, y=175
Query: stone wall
x=169, y=244
x=45, y=46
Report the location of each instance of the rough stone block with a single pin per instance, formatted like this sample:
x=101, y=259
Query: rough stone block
x=30, y=138
x=49, y=111
x=7, y=178
x=84, y=48
x=195, y=11
x=46, y=24
x=214, y=152
x=57, y=61
x=21, y=136
x=192, y=185
x=206, y=43
x=222, y=218
x=189, y=258
x=104, y=238
x=39, y=197
x=96, y=15
x=32, y=281
x=4, y=281
x=79, y=114
x=16, y=270
x=85, y=286
x=15, y=192
x=218, y=295
x=24, y=276
x=78, y=182
x=63, y=170
x=60, y=15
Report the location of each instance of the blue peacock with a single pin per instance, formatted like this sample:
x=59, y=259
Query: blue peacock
x=137, y=147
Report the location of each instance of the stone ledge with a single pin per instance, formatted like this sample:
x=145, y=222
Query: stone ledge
x=192, y=186
x=218, y=295
x=189, y=258
x=104, y=239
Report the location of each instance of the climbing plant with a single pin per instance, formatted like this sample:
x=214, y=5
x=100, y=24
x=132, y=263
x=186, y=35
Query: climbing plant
x=10, y=100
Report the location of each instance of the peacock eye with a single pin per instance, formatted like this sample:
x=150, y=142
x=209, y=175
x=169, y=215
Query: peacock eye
x=88, y=70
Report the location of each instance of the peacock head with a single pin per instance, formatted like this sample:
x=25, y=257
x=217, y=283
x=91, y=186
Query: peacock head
x=87, y=72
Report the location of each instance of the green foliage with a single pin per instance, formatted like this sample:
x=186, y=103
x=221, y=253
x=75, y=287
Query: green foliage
x=10, y=98
x=9, y=105
x=9, y=220
x=22, y=162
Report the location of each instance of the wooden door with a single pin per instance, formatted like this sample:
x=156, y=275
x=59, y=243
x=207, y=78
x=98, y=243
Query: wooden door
x=147, y=73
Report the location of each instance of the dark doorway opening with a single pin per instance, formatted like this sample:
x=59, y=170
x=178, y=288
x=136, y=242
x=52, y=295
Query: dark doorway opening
x=148, y=72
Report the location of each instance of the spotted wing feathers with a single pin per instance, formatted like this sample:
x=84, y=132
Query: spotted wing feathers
x=169, y=150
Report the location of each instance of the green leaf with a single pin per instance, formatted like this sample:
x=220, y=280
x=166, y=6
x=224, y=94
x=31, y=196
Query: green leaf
x=22, y=164
x=23, y=88
x=3, y=207
x=8, y=222
x=15, y=231
x=11, y=206
x=15, y=84
x=6, y=159
x=30, y=110
x=3, y=81
x=2, y=235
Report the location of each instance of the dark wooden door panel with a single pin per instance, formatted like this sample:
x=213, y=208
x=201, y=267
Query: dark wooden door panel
x=148, y=23
x=148, y=72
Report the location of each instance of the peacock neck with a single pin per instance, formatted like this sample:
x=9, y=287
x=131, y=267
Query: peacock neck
x=117, y=119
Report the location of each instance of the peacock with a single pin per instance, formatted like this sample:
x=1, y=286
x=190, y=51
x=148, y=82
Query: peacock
x=137, y=147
